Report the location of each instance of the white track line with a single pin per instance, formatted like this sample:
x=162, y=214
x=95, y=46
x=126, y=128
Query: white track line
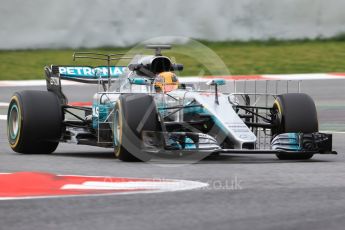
x=273, y=77
x=4, y=104
x=174, y=185
x=154, y=187
x=314, y=76
x=95, y=195
x=333, y=132
x=34, y=83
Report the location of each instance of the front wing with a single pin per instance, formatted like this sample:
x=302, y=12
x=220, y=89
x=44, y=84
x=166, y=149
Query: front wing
x=184, y=143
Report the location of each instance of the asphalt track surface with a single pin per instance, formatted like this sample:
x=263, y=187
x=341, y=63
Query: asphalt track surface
x=245, y=192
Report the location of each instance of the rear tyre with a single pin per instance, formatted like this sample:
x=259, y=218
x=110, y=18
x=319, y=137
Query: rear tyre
x=296, y=113
x=34, y=122
x=134, y=113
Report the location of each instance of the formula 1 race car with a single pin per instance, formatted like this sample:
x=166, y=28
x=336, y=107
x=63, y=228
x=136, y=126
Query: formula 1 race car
x=144, y=111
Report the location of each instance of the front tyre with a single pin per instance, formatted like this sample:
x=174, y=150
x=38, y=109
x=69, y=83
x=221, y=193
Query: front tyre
x=134, y=113
x=34, y=122
x=295, y=113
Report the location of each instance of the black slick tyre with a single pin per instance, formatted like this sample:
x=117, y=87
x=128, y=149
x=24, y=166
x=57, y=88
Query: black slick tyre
x=296, y=113
x=34, y=122
x=134, y=113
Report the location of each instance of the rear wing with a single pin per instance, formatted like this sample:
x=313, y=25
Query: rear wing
x=83, y=74
x=86, y=74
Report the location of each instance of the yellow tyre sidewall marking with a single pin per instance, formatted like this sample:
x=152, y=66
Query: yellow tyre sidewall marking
x=276, y=102
x=280, y=112
x=20, y=121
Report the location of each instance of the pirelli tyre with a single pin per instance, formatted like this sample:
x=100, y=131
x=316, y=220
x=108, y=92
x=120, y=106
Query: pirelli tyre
x=134, y=114
x=295, y=113
x=34, y=122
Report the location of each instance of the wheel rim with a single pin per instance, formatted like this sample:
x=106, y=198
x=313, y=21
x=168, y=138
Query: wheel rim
x=13, y=122
x=117, y=129
x=277, y=112
x=117, y=132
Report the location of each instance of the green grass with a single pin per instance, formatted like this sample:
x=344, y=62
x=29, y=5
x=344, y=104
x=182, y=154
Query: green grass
x=270, y=57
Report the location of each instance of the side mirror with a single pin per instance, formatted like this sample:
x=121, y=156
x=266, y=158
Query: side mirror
x=177, y=67
x=138, y=81
x=134, y=67
x=216, y=82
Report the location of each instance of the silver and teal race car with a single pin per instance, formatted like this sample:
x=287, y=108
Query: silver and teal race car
x=144, y=111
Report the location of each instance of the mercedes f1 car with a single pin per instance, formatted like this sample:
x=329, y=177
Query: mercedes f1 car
x=144, y=111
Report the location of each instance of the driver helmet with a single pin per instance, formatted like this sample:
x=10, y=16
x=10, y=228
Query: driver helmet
x=166, y=82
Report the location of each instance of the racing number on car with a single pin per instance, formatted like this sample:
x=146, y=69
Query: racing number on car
x=54, y=81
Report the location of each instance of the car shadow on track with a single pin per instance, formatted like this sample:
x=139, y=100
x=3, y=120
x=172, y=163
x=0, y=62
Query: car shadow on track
x=222, y=159
x=249, y=159
x=84, y=154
